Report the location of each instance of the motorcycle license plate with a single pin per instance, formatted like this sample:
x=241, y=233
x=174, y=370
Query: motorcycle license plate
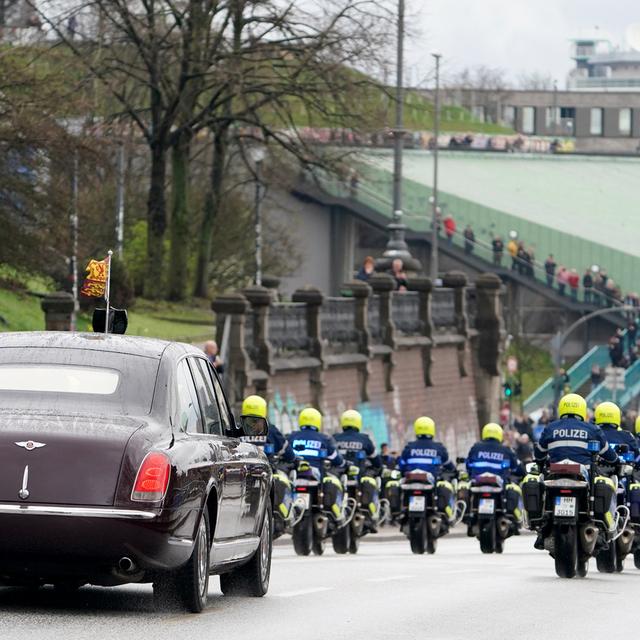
x=305, y=499
x=416, y=503
x=564, y=507
x=487, y=506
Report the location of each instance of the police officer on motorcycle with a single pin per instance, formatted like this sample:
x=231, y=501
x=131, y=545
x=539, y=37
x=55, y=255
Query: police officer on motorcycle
x=356, y=447
x=424, y=452
x=568, y=437
x=274, y=444
x=490, y=455
x=311, y=444
x=607, y=417
x=637, y=431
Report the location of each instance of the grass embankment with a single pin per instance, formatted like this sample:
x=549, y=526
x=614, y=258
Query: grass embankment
x=188, y=322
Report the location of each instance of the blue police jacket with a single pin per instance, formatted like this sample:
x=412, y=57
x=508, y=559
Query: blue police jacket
x=568, y=439
x=615, y=437
x=274, y=444
x=315, y=447
x=426, y=454
x=356, y=448
x=491, y=456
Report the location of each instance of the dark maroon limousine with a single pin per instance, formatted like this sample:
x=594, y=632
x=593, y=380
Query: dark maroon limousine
x=120, y=462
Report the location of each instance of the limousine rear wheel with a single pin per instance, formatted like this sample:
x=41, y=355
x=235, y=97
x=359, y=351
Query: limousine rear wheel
x=252, y=579
x=188, y=586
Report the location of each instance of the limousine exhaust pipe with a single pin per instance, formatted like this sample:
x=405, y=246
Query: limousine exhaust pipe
x=126, y=565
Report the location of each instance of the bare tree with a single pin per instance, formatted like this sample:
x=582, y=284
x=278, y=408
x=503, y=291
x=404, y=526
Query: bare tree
x=536, y=81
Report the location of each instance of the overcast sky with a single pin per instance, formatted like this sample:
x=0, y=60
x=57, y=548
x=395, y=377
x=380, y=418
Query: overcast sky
x=517, y=35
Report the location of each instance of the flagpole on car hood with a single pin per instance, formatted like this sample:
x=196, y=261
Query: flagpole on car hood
x=108, y=291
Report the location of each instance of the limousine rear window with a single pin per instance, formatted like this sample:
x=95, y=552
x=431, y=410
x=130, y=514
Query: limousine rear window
x=54, y=378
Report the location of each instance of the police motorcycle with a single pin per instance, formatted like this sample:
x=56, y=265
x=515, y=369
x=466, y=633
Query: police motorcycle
x=371, y=511
x=363, y=483
x=610, y=559
x=326, y=510
x=490, y=492
x=493, y=513
x=321, y=494
x=428, y=507
x=286, y=509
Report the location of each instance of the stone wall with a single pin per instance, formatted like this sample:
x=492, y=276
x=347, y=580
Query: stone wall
x=392, y=356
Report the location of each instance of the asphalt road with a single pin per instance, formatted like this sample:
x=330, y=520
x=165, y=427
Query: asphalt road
x=383, y=592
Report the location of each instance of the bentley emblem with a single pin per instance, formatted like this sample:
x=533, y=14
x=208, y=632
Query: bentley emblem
x=23, y=494
x=30, y=445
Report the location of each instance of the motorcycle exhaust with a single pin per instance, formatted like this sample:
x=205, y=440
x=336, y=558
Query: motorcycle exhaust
x=588, y=537
x=503, y=527
x=434, y=522
x=321, y=523
x=625, y=541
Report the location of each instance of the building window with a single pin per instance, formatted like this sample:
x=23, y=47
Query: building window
x=509, y=116
x=624, y=122
x=568, y=112
x=528, y=120
x=595, y=127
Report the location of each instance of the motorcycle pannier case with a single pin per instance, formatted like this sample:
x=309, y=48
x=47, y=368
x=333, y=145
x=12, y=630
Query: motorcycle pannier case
x=603, y=505
x=634, y=502
x=532, y=497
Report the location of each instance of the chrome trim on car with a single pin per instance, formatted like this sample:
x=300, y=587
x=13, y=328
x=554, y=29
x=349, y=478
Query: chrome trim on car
x=230, y=550
x=76, y=512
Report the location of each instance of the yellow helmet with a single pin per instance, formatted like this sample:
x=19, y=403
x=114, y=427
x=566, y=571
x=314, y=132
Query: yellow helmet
x=254, y=406
x=351, y=419
x=424, y=426
x=607, y=413
x=573, y=404
x=310, y=417
x=492, y=430
x=638, y=425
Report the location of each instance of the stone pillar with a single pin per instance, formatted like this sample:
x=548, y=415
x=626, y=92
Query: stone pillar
x=260, y=299
x=488, y=346
x=361, y=291
x=383, y=284
x=457, y=281
x=58, y=310
x=231, y=309
x=424, y=288
x=314, y=298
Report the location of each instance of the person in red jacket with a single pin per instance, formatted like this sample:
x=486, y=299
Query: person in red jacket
x=574, y=283
x=449, y=228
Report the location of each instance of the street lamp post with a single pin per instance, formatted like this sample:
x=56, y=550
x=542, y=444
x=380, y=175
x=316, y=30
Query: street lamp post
x=434, y=203
x=397, y=246
x=257, y=155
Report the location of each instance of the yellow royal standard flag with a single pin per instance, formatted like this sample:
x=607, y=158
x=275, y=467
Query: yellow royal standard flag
x=95, y=284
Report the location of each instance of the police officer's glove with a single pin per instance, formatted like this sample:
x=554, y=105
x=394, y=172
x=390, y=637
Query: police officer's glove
x=302, y=465
x=353, y=471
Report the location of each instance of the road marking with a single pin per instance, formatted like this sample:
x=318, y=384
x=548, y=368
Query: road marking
x=389, y=578
x=302, y=592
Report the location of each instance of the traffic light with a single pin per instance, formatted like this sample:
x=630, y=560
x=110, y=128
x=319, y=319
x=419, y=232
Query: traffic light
x=508, y=390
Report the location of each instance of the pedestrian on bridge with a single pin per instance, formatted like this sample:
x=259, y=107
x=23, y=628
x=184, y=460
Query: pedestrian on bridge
x=498, y=249
x=574, y=283
x=367, y=269
x=512, y=248
x=587, y=285
x=550, y=270
x=469, y=240
x=449, y=228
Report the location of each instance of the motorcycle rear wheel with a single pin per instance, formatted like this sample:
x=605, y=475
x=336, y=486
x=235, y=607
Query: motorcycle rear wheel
x=566, y=550
x=432, y=544
x=341, y=540
x=418, y=535
x=303, y=536
x=354, y=544
x=636, y=558
x=487, y=536
x=582, y=568
x=606, y=560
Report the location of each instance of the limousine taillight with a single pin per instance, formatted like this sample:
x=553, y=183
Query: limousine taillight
x=152, y=479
